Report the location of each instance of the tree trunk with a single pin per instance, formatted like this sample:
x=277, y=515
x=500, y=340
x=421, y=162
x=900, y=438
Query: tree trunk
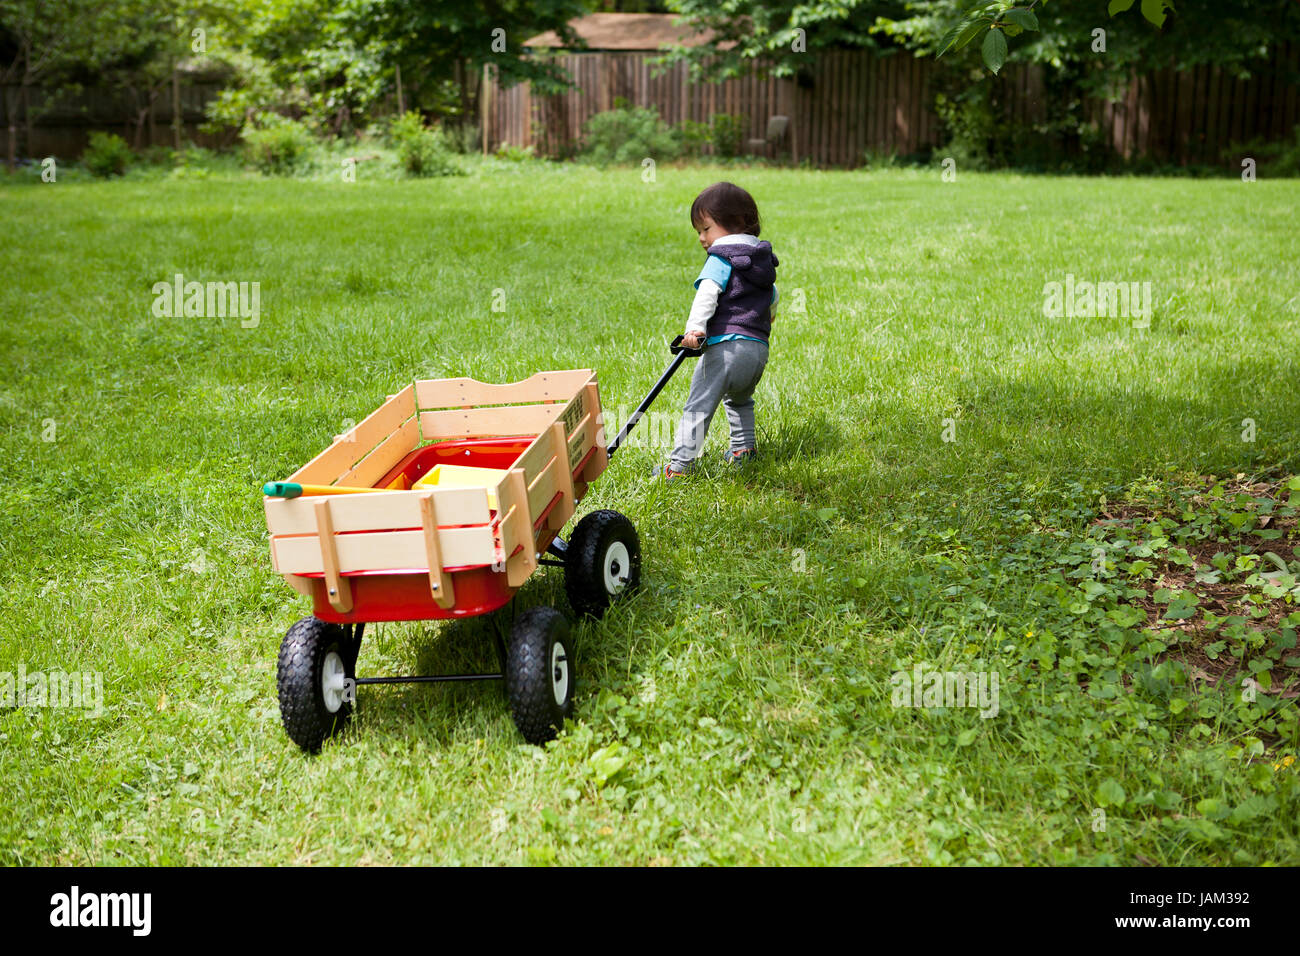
x=11, y=157
x=27, y=115
x=473, y=94
x=485, y=105
x=178, y=123
x=462, y=84
x=26, y=94
x=401, y=102
x=11, y=123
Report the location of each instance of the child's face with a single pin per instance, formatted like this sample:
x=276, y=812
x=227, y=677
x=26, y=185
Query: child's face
x=710, y=232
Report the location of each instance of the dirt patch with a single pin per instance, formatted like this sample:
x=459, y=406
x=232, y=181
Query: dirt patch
x=1190, y=639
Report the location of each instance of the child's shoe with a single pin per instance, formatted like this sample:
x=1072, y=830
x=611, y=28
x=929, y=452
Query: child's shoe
x=738, y=456
x=667, y=473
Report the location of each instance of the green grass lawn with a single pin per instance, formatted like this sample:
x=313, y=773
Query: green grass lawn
x=740, y=708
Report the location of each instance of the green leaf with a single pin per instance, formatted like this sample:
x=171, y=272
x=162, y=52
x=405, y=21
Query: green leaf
x=948, y=39
x=1118, y=6
x=1211, y=808
x=1154, y=10
x=1167, y=800
x=961, y=34
x=1126, y=615
x=967, y=737
x=1093, y=590
x=1181, y=607
x=606, y=762
x=1110, y=793
x=826, y=514
x=970, y=32
x=995, y=50
x=1024, y=19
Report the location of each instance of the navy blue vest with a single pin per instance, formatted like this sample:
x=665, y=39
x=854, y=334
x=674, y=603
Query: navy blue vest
x=745, y=306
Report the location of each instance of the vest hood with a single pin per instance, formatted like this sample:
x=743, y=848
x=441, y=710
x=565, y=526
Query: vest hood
x=757, y=263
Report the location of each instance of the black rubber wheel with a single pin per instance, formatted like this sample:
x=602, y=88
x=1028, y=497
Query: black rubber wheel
x=315, y=659
x=603, y=562
x=539, y=673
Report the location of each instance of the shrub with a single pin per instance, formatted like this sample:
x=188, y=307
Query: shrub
x=158, y=155
x=421, y=151
x=516, y=154
x=728, y=134
x=1275, y=159
x=465, y=139
x=277, y=145
x=107, y=154
x=694, y=136
x=980, y=132
x=629, y=135
x=974, y=129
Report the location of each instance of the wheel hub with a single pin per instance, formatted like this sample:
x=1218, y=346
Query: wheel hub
x=333, y=681
x=617, y=563
x=559, y=673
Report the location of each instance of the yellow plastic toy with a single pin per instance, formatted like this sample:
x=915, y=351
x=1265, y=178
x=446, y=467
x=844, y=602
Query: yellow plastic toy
x=463, y=476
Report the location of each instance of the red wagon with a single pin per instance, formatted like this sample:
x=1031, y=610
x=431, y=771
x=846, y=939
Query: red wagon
x=440, y=504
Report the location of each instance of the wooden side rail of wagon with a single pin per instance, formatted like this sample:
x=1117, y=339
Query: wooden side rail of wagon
x=552, y=447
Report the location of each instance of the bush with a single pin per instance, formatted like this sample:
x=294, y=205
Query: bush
x=981, y=133
x=465, y=139
x=695, y=136
x=976, y=134
x=516, y=154
x=728, y=134
x=107, y=155
x=276, y=145
x=624, y=135
x=1276, y=159
x=421, y=151
x=158, y=156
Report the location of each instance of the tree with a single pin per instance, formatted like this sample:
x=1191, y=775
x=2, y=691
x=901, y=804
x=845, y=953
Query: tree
x=775, y=34
x=335, y=61
x=34, y=48
x=775, y=37
x=456, y=39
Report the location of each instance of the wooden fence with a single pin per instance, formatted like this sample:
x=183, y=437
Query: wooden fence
x=1193, y=115
x=35, y=123
x=850, y=102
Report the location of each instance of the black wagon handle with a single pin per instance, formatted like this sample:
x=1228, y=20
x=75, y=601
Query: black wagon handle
x=676, y=347
x=680, y=354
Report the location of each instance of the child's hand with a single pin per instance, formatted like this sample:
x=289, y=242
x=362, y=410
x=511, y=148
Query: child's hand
x=692, y=340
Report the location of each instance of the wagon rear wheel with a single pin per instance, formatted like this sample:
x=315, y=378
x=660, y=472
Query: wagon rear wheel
x=602, y=563
x=539, y=673
x=315, y=677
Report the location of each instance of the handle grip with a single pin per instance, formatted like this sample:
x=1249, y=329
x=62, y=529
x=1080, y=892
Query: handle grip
x=677, y=346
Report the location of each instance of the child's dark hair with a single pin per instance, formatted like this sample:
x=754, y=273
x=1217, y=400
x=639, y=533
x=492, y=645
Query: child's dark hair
x=729, y=206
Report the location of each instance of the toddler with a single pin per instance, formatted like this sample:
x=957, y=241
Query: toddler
x=735, y=302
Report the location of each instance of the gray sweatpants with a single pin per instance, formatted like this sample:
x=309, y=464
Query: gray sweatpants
x=727, y=372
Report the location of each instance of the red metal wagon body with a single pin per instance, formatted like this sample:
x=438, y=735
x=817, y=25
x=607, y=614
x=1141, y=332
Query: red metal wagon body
x=409, y=550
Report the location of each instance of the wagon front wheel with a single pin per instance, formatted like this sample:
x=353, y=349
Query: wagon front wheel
x=315, y=678
x=602, y=562
x=539, y=673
